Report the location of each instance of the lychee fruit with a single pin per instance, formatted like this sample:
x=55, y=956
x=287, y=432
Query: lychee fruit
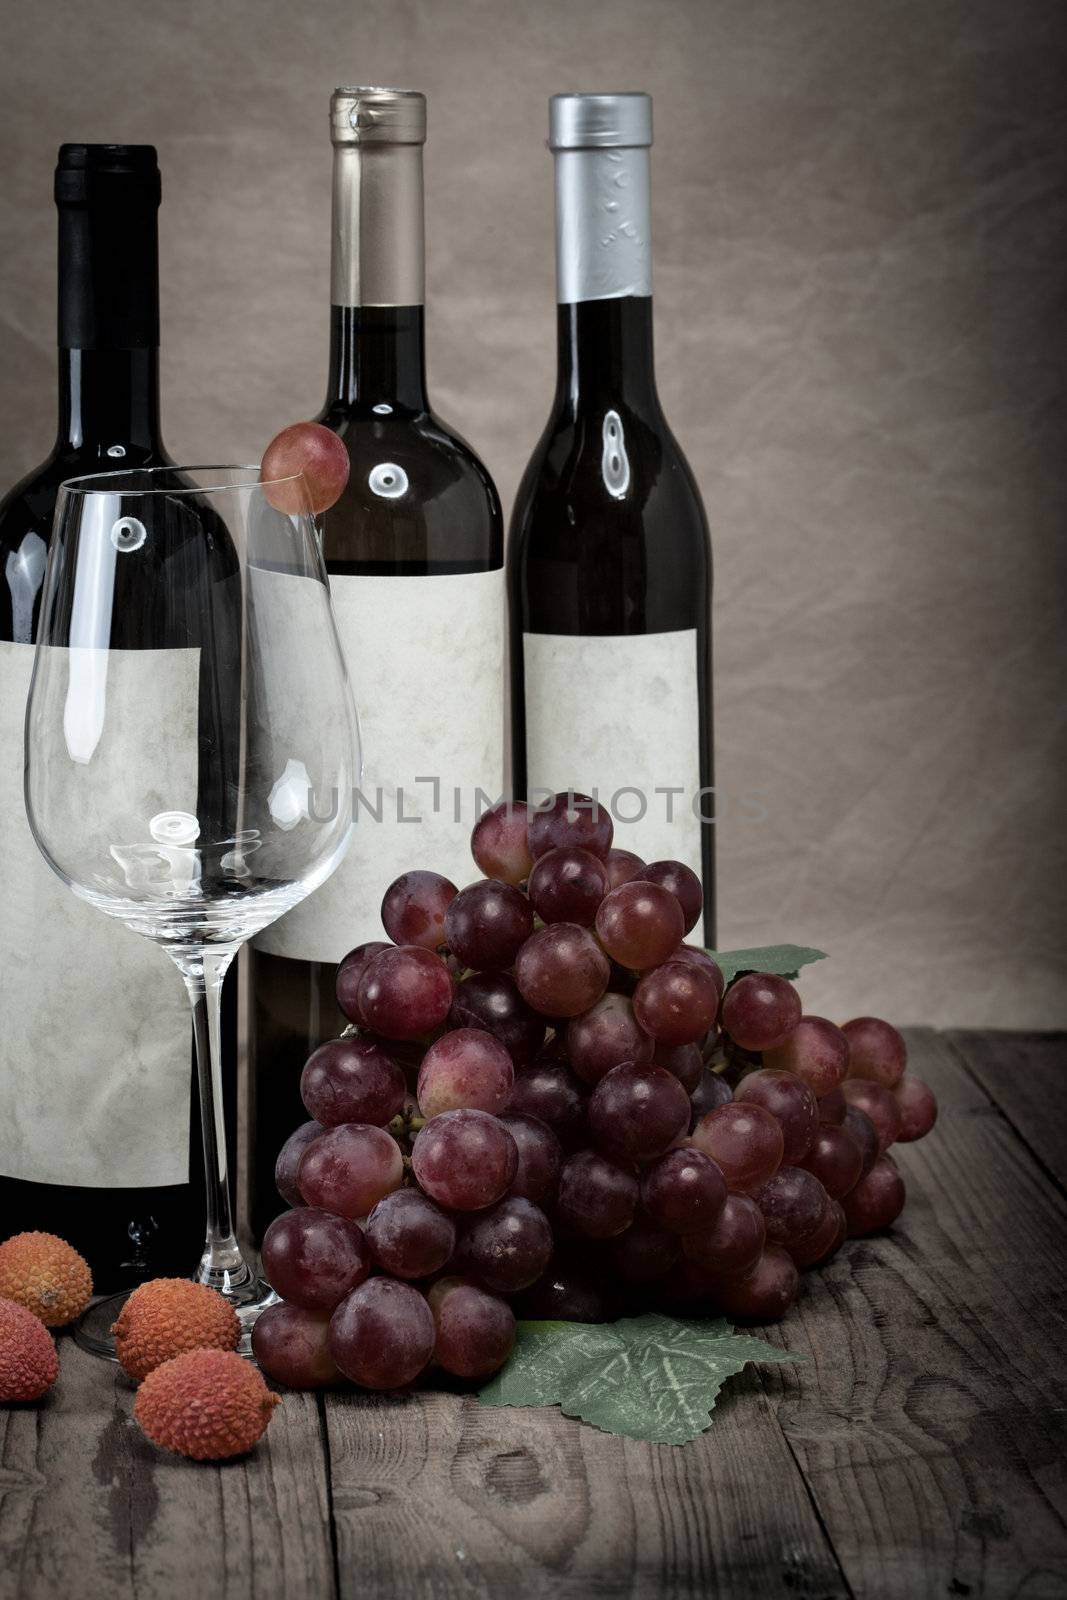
x=28, y=1361
x=46, y=1275
x=208, y=1404
x=168, y=1316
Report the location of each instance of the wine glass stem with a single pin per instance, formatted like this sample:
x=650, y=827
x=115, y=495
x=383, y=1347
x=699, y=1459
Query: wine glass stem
x=222, y=1266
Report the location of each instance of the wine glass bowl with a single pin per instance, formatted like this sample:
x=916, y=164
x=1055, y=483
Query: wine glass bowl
x=192, y=750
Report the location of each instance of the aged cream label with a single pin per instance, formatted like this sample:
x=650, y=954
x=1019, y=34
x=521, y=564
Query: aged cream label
x=95, y=1046
x=426, y=657
x=618, y=716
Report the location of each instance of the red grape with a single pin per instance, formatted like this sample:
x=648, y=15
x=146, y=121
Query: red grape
x=572, y=1290
x=836, y=1160
x=561, y=970
x=862, y=1131
x=692, y=955
x=382, y=1334
x=288, y=1164
x=409, y=1236
x=644, y=1253
x=352, y=1080
x=685, y=1061
x=622, y=865
x=683, y=1190
x=876, y=1201
x=744, y=1141
x=639, y=924
x=605, y=1036
x=507, y=1247
x=793, y=1203
x=597, y=1197
x=465, y=1068
x=918, y=1108
x=313, y=1258
x=832, y=1106
x=760, y=1010
x=414, y=906
x=540, y=1157
x=464, y=1160
x=677, y=1003
x=491, y=1000
x=683, y=883
x=766, y=1292
x=711, y=1092
x=499, y=843
x=876, y=1051
x=474, y=1330
x=820, y=1244
x=404, y=992
x=487, y=924
x=880, y=1105
x=790, y=1102
x=567, y=885
x=348, y=1169
x=291, y=1345
x=315, y=452
x=734, y=1240
x=816, y=1051
x=349, y=976
x=570, y=821
x=550, y=1091
x=637, y=1111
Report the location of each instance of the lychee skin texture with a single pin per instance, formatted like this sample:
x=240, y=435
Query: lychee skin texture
x=46, y=1275
x=29, y=1365
x=168, y=1316
x=208, y=1404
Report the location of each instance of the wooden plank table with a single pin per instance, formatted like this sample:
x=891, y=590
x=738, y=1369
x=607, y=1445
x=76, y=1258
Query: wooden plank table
x=920, y=1450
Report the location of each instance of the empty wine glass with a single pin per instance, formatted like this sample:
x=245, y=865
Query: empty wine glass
x=191, y=743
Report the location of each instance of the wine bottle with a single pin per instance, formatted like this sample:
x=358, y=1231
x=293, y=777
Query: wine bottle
x=99, y=1129
x=609, y=560
x=414, y=549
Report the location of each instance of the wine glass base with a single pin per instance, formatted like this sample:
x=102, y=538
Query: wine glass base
x=92, y=1331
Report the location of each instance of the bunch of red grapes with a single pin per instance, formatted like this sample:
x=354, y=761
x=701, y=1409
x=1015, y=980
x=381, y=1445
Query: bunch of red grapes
x=550, y=1104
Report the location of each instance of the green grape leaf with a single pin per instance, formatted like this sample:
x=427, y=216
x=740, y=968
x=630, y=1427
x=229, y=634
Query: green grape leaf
x=785, y=960
x=653, y=1377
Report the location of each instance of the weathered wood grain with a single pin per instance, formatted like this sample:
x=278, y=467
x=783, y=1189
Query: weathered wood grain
x=1025, y=1075
x=88, y=1506
x=929, y=1422
x=437, y=1496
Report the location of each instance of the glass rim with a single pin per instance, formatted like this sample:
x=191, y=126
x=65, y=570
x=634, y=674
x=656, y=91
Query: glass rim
x=106, y=482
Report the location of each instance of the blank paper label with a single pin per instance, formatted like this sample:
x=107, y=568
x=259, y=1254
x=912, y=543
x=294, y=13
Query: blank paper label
x=426, y=656
x=618, y=717
x=95, y=1045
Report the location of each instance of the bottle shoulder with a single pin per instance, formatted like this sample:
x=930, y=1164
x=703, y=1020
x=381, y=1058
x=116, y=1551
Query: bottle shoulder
x=417, y=493
x=608, y=467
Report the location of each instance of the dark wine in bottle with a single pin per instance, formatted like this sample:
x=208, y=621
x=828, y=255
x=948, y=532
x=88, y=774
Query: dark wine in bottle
x=609, y=561
x=99, y=1130
x=414, y=549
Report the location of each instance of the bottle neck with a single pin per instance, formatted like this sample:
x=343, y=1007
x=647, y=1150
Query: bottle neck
x=604, y=276
x=377, y=277
x=109, y=403
x=605, y=354
x=377, y=357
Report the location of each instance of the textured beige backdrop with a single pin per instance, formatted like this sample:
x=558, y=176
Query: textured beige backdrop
x=859, y=215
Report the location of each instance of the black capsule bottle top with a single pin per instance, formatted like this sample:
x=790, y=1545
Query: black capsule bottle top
x=108, y=198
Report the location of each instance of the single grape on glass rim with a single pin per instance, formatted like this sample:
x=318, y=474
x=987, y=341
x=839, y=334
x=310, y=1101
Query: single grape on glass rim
x=305, y=467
